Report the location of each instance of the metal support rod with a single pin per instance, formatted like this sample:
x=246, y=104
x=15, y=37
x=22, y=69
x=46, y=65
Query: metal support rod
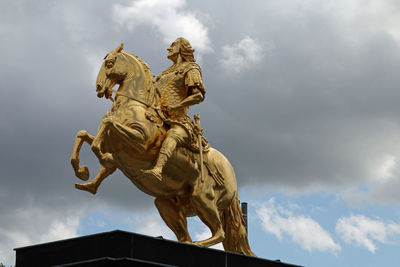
x=244, y=212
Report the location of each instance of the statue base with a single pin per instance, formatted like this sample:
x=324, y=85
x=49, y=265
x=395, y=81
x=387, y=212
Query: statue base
x=120, y=248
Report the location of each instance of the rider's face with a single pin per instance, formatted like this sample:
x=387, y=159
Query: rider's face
x=173, y=51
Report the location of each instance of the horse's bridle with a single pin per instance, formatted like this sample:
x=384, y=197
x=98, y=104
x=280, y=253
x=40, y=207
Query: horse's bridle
x=130, y=97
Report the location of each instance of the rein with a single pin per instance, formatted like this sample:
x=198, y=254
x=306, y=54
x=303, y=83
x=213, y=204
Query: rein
x=130, y=97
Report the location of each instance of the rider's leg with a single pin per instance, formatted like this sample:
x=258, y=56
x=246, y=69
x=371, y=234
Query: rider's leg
x=176, y=136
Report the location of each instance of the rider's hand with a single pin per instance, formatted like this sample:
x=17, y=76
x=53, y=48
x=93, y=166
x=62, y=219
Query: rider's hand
x=169, y=108
x=164, y=107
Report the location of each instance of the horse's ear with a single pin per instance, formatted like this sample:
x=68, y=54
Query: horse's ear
x=119, y=48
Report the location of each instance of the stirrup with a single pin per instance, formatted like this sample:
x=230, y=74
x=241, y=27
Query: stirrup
x=153, y=174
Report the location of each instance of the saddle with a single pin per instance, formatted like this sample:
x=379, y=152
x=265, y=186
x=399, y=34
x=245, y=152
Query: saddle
x=193, y=144
x=187, y=124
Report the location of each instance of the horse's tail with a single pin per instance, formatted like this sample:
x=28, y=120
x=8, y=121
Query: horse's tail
x=235, y=230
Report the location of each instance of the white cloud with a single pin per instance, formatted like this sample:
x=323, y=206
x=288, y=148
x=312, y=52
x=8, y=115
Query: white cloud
x=61, y=229
x=303, y=231
x=386, y=167
x=243, y=54
x=167, y=17
x=365, y=232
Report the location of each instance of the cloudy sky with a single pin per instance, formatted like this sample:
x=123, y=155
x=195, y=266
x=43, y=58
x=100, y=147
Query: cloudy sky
x=302, y=96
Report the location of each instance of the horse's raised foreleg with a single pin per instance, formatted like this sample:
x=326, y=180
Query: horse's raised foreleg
x=82, y=172
x=134, y=131
x=174, y=217
x=93, y=185
x=133, y=135
x=105, y=159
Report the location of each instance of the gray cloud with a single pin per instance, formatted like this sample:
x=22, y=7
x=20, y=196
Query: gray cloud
x=48, y=94
x=320, y=110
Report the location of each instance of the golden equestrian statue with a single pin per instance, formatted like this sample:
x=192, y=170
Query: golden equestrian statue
x=148, y=135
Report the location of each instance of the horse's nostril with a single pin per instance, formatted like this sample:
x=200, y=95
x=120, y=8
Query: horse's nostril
x=98, y=87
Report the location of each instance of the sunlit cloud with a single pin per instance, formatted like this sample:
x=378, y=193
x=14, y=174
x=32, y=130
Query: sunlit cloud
x=170, y=18
x=304, y=231
x=362, y=231
x=243, y=54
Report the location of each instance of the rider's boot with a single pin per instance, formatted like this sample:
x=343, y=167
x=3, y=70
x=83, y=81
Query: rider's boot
x=158, y=167
x=166, y=150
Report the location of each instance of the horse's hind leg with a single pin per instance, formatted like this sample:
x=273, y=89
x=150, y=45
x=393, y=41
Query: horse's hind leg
x=82, y=172
x=208, y=213
x=93, y=185
x=174, y=217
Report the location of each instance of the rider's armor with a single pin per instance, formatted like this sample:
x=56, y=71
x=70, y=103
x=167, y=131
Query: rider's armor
x=176, y=83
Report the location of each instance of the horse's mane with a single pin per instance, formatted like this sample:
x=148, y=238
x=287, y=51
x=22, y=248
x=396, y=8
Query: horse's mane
x=152, y=95
x=146, y=67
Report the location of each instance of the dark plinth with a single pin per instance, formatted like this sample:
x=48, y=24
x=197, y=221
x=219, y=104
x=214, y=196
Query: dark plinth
x=119, y=248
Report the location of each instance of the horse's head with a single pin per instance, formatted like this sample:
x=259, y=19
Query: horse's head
x=133, y=75
x=114, y=70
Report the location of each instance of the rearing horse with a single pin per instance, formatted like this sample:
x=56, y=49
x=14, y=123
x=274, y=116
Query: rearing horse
x=129, y=138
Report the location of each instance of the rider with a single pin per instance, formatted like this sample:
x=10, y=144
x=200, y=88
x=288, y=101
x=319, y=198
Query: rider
x=181, y=86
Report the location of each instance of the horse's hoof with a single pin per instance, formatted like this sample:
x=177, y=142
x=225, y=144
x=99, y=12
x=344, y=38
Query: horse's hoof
x=86, y=188
x=74, y=162
x=199, y=243
x=83, y=173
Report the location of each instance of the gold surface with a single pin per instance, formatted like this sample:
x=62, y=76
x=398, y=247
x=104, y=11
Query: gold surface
x=148, y=135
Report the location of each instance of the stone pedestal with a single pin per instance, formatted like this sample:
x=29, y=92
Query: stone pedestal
x=120, y=248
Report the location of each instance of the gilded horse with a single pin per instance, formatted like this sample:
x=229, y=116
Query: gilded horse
x=129, y=138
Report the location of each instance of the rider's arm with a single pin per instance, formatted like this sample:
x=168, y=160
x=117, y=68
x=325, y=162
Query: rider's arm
x=195, y=88
x=195, y=98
